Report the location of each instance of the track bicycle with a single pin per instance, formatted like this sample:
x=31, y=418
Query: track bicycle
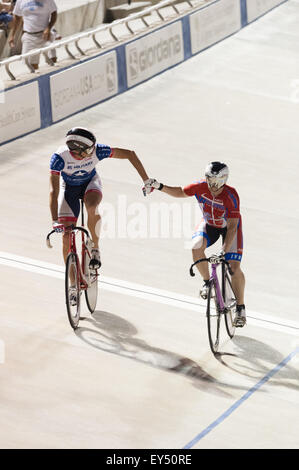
x=79, y=276
x=221, y=300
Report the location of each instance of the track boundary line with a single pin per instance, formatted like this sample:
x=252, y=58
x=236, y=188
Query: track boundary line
x=245, y=397
x=141, y=291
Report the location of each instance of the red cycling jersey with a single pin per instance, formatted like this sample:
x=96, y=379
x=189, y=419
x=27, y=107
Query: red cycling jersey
x=216, y=209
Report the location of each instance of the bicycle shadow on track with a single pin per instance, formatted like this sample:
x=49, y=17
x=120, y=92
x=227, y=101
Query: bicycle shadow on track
x=255, y=359
x=116, y=335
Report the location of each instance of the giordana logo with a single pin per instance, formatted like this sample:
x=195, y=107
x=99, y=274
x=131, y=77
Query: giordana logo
x=133, y=63
x=147, y=57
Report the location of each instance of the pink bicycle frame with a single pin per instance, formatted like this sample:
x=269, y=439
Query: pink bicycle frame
x=214, y=278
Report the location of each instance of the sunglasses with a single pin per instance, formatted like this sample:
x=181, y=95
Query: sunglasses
x=213, y=180
x=87, y=151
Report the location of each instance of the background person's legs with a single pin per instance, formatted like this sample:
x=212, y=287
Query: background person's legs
x=30, y=42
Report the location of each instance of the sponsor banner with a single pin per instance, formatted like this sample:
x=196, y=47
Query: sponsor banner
x=19, y=111
x=256, y=8
x=83, y=85
x=154, y=53
x=213, y=23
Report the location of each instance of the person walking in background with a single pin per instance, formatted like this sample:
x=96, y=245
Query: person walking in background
x=39, y=16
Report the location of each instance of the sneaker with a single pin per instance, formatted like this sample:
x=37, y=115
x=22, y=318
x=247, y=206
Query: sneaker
x=240, y=318
x=204, y=290
x=95, y=262
x=73, y=296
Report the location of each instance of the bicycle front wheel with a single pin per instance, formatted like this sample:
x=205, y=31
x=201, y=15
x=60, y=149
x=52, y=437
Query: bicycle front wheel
x=72, y=290
x=91, y=276
x=229, y=302
x=213, y=318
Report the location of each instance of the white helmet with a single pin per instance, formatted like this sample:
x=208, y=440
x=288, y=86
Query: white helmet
x=216, y=174
x=81, y=140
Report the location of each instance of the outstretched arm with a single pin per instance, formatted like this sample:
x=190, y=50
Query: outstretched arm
x=174, y=191
x=132, y=157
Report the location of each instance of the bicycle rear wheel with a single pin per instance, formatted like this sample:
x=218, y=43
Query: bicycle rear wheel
x=213, y=318
x=72, y=290
x=91, y=293
x=229, y=302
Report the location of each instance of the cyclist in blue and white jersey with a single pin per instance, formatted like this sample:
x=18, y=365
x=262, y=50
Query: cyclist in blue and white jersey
x=74, y=177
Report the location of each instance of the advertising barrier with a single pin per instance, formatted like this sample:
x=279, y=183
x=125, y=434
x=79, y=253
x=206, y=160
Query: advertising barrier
x=20, y=111
x=83, y=85
x=210, y=25
x=154, y=53
x=257, y=8
x=54, y=96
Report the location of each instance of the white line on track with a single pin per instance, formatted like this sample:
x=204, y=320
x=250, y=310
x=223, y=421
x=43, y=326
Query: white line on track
x=145, y=292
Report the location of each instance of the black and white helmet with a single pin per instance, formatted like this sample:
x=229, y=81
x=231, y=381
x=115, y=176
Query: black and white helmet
x=216, y=174
x=80, y=139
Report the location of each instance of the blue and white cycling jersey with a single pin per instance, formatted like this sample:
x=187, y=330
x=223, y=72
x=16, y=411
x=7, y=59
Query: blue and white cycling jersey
x=75, y=171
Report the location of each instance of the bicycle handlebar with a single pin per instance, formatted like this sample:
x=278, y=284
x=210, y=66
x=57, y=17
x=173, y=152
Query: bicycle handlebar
x=214, y=259
x=66, y=229
x=48, y=239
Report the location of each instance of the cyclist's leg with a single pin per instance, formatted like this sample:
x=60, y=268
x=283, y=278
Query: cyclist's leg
x=92, y=199
x=234, y=256
x=238, y=285
x=204, y=236
x=66, y=241
x=68, y=211
x=238, y=281
x=200, y=241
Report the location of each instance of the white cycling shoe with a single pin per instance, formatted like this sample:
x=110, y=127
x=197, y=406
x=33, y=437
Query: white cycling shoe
x=240, y=318
x=204, y=291
x=95, y=261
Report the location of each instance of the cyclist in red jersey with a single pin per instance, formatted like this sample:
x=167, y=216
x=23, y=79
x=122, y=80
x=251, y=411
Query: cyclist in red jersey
x=220, y=206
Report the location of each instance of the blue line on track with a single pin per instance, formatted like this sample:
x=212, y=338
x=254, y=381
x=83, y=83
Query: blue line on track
x=236, y=405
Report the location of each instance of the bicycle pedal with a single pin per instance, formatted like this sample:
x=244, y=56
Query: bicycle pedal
x=239, y=323
x=94, y=264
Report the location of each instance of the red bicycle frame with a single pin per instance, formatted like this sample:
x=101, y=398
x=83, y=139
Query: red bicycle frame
x=72, y=246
